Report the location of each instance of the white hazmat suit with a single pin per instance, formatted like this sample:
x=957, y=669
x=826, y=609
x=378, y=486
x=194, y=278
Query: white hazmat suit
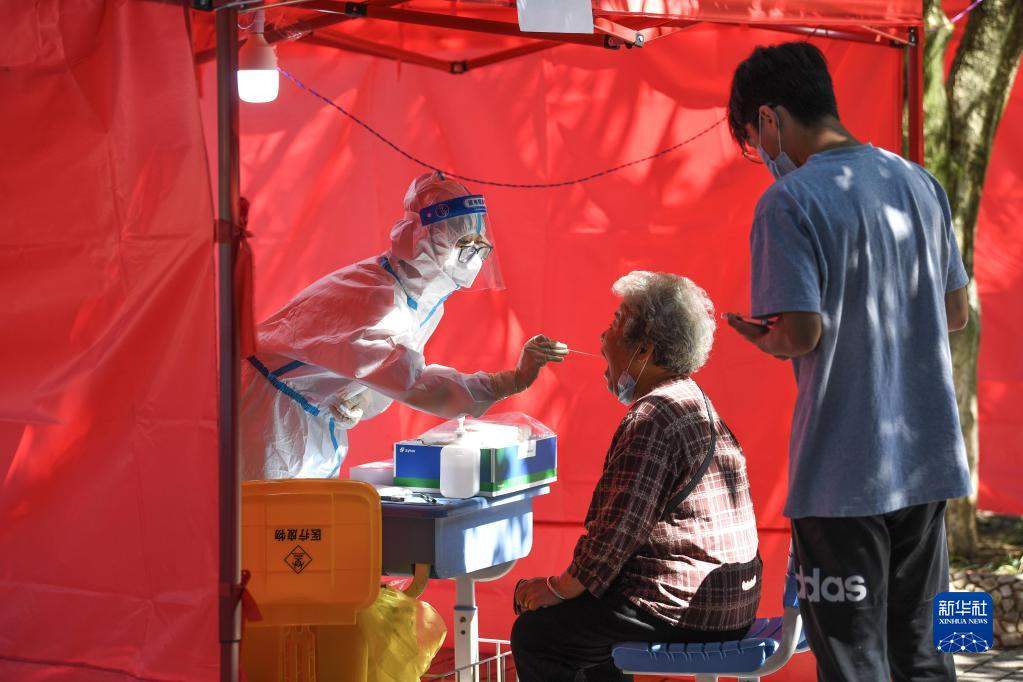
x=352, y=342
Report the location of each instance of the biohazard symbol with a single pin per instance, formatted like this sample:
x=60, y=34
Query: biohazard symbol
x=298, y=559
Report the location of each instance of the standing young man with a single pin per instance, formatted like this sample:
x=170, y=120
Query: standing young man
x=856, y=276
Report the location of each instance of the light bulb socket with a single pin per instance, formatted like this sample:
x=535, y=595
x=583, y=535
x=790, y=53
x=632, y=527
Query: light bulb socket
x=257, y=54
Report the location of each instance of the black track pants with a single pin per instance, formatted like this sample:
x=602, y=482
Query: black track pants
x=867, y=585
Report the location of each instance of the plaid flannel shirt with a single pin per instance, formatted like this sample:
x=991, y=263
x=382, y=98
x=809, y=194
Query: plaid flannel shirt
x=698, y=566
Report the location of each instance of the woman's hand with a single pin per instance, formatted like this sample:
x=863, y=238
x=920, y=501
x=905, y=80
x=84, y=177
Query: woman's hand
x=534, y=594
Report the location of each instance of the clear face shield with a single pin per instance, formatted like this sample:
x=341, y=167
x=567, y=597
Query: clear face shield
x=463, y=235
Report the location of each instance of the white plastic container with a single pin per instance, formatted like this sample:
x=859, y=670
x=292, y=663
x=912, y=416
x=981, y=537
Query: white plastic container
x=460, y=466
x=375, y=473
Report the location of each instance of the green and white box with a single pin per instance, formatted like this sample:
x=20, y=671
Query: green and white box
x=516, y=452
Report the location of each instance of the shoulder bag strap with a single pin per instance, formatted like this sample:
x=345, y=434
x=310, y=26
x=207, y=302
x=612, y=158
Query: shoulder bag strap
x=680, y=497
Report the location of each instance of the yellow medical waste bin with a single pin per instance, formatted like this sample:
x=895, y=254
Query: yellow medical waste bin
x=312, y=547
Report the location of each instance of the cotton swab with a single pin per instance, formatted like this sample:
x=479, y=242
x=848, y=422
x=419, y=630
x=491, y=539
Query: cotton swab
x=580, y=352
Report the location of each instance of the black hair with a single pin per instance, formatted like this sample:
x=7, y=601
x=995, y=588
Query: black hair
x=792, y=75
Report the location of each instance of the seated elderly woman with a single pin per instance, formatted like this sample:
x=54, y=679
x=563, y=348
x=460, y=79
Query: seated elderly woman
x=651, y=567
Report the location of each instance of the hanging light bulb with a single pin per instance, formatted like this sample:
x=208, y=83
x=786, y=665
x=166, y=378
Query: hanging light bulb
x=258, y=80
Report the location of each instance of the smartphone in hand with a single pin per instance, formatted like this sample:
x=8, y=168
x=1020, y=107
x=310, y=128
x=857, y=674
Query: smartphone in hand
x=764, y=322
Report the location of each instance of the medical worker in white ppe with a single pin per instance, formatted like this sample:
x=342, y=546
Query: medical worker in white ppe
x=351, y=343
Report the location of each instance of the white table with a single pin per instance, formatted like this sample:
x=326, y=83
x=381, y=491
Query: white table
x=468, y=541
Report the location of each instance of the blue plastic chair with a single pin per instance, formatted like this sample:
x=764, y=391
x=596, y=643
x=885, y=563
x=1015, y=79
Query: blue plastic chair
x=768, y=646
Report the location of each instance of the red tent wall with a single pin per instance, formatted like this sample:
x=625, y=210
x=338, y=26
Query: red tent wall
x=324, y=193
x=108, y=514
x=998, y=267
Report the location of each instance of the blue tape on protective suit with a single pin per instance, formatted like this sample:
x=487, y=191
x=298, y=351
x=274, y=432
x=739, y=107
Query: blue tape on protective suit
x=386, y=265
x=298, y=398
x=412, y=303
x=293, y=365
x=452, y=208
x=434, y=309
x=283, y=387
x=333, y=440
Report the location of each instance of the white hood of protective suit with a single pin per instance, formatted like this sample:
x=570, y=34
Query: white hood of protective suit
x=424, y=256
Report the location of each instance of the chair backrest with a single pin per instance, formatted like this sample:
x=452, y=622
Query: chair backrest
x=790, y=598
x=313, y=547
x=792, y=622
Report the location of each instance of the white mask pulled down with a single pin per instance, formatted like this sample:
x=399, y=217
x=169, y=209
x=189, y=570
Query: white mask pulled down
x=625, y=387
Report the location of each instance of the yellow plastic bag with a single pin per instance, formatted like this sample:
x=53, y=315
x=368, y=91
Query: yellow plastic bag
x=402, y=636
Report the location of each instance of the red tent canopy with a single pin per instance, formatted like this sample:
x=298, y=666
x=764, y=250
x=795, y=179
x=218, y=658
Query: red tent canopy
x=457, y=36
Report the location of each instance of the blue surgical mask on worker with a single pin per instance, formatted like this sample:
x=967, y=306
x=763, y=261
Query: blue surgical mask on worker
x=626, y=385
x=781, y=164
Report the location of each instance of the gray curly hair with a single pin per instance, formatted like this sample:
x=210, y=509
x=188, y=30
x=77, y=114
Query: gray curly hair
x=671, y=313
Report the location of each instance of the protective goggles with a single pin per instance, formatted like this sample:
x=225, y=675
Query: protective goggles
x=472, y=245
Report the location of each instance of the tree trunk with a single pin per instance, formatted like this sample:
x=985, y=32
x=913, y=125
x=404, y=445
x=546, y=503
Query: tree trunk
x=962, y=513
x=962, y=115
x=938, y=33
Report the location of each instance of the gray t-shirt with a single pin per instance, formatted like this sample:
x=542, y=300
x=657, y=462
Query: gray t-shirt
x=865, y=238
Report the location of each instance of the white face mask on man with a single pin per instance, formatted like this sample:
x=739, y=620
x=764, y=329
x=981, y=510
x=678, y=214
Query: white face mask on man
x=781, y=164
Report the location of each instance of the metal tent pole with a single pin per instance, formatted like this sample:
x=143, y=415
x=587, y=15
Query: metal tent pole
x=228, y=346
x=915, y=92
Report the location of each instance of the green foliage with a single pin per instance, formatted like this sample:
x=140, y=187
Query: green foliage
x=961, y=116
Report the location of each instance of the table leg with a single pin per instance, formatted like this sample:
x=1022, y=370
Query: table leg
x=467, y=636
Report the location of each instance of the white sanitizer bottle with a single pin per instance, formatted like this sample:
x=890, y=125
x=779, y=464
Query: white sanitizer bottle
x=459, y=467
